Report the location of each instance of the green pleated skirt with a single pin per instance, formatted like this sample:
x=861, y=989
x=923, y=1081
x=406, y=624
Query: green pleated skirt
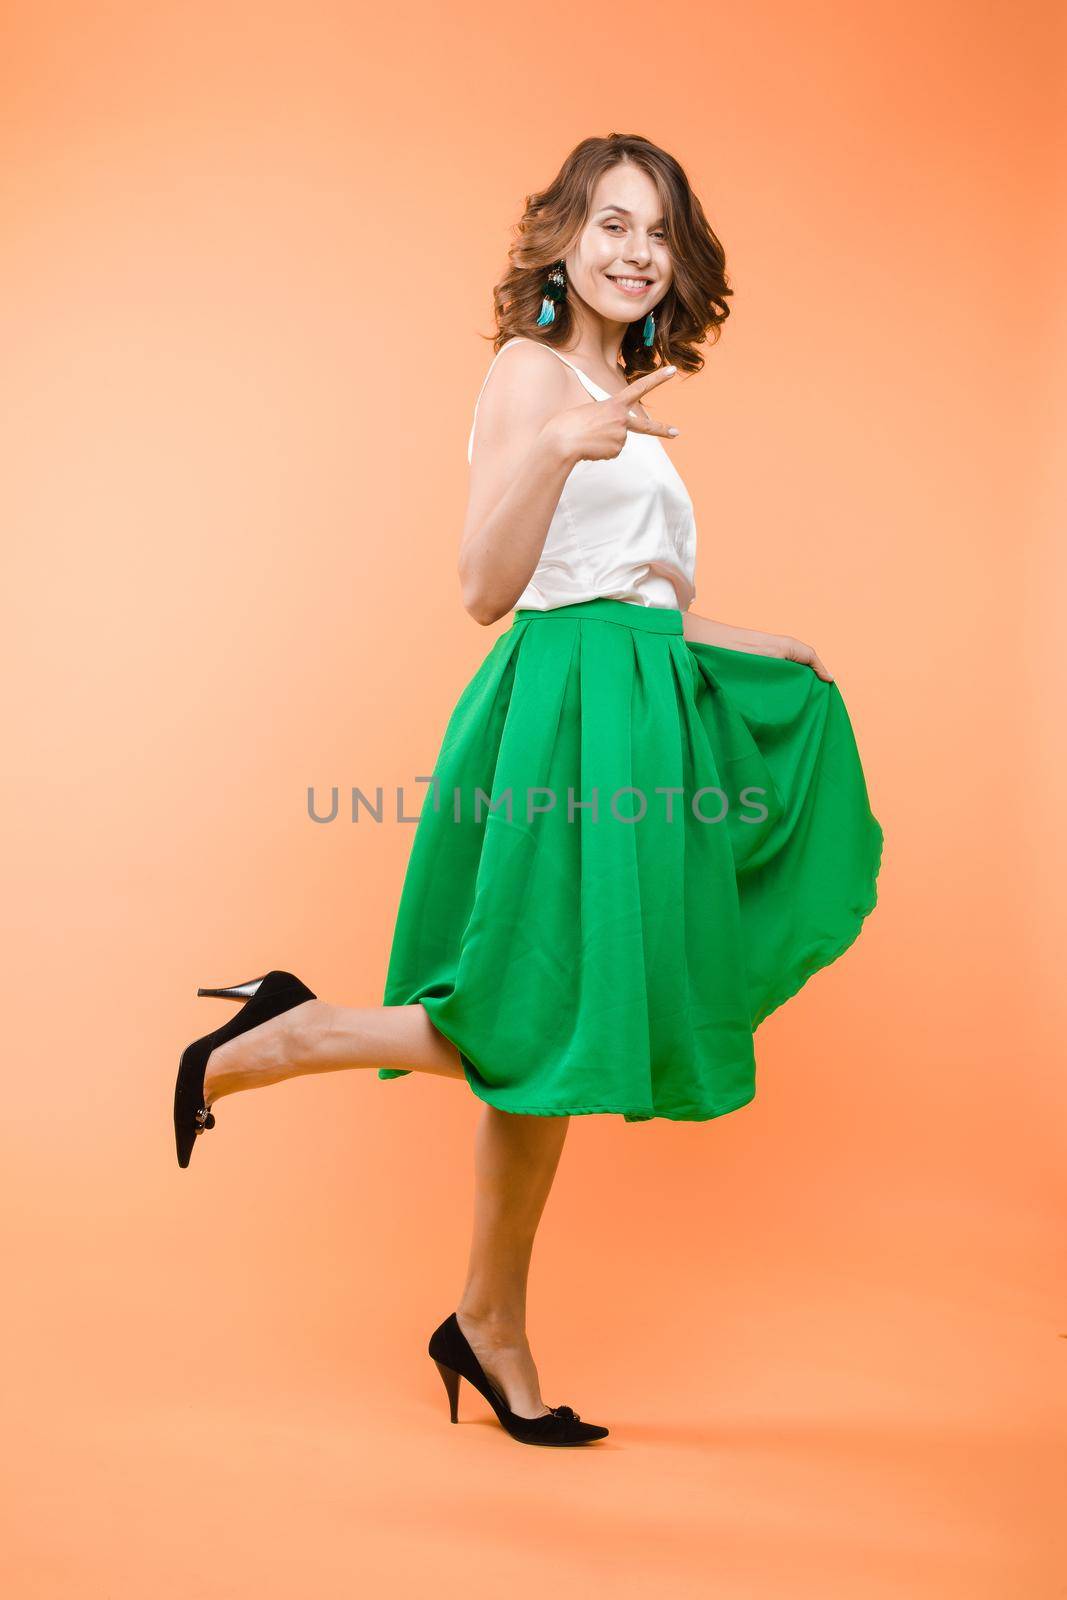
x=635, y=848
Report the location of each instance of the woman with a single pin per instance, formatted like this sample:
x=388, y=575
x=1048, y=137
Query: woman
x=649, y=829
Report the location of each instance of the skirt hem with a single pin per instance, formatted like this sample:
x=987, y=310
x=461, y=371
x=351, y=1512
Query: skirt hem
x=631, y=1113
x=619, y=1111
x=628, y=1112
x=814, y=961
x=818, y=958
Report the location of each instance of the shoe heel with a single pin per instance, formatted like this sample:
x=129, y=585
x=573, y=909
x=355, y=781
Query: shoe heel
x=450, y=1380
x=236, y=991
x=454, y=1359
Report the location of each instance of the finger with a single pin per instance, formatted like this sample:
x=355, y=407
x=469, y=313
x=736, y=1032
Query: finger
x=641, y=386
x=640, y=422
x=805, y=656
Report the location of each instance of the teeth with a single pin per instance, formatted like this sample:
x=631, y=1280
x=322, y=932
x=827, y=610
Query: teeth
x=630, y=283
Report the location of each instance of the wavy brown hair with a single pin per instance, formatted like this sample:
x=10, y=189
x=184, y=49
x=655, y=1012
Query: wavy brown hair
x=694, y=306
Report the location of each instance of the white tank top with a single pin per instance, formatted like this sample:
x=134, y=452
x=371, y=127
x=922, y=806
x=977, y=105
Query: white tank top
x=623, y=529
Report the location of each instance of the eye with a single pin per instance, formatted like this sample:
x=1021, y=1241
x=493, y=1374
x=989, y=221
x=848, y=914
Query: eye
x=659, y=233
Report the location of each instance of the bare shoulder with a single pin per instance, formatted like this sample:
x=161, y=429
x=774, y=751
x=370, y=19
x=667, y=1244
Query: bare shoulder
x=528, y=384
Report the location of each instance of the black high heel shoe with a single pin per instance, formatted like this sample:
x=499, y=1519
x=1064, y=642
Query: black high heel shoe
x=455, y=1359
x=264, y=997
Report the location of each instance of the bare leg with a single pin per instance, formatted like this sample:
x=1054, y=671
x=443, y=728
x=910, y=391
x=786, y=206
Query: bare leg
x=515, y=1159
x=515, y=1162
x=316, y=1036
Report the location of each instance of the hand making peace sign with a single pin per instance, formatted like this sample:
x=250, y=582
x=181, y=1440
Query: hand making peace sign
x=597, y=429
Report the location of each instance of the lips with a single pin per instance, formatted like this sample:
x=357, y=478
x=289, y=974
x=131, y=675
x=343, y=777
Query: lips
x=634, y=286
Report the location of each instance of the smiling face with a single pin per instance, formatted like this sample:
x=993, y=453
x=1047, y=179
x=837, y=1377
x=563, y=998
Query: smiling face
x=620, y=264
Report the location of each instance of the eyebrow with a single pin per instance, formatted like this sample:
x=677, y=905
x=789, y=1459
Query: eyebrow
x=623, y=213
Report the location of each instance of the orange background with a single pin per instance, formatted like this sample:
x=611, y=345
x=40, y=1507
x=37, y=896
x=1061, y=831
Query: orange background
x=248, y=253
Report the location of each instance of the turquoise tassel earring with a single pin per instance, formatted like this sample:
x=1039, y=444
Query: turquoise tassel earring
x=650, y=328
x=555, y=291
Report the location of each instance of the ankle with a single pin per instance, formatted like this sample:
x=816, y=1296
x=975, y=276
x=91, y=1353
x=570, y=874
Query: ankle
x=495, y=1326
x=306, y=1027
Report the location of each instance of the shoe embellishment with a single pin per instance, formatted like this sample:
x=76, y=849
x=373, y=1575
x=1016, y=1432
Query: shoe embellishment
x=204, y=1119
x=565, y=1413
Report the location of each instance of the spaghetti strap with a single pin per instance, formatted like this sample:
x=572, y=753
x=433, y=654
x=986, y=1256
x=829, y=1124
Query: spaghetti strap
x=587, y=383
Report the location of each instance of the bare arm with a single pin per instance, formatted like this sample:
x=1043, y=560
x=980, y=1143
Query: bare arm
x=529, y=434
x=517, y=475
x=702, y=630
